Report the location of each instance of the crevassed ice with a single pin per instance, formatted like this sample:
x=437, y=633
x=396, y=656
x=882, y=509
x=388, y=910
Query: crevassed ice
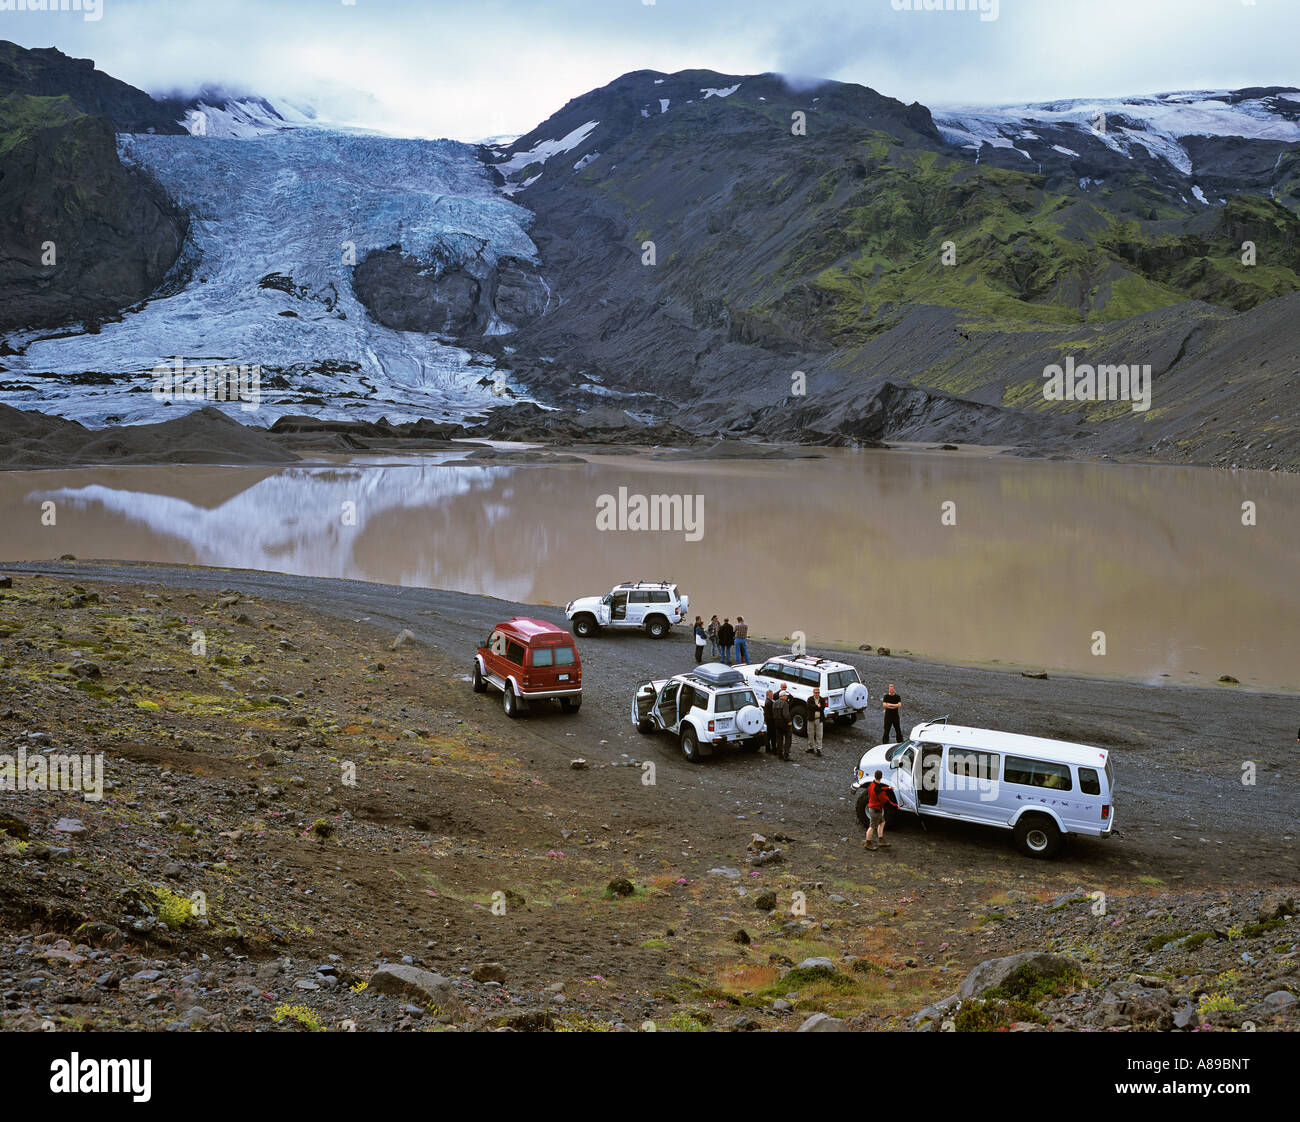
x=287, y=203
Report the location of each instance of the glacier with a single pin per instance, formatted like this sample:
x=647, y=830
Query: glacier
x=280, y=209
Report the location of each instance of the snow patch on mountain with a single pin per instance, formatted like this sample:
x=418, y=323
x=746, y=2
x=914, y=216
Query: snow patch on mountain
x=1155, y=125
x=545, y=149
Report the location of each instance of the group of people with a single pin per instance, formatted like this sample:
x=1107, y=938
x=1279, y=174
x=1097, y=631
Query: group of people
x=727, y=642
x=780, y=721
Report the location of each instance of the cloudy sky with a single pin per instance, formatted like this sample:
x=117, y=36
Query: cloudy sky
x=476, y=68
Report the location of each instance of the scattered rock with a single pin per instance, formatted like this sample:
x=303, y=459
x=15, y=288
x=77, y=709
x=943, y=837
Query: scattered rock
x=620, y=886
x=412, y=982
x=995, y=971
x=73, y=826
x=405, y=638
x=489, y=972
x=822, y=1022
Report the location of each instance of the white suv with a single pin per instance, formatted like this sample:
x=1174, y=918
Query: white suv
x=709, y=706
x=846, y=696
x=653, y=605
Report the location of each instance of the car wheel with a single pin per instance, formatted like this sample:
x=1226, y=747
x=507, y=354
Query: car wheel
x=584, y=625
x=892, y=814
x=645, y=727
x=750, y=745
x=658, y=627
x=690, y=746
x=851, y=719
x=480, y=683
x=510, y=702
x=1037, y=836
x=570, y=704
x=799, y=719
x=860, y=807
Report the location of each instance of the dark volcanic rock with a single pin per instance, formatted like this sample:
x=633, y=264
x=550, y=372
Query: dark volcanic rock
x=81, y=236
x=452, y=294
x=47, y=72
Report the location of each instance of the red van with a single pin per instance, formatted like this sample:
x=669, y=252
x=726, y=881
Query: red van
x=530, y=660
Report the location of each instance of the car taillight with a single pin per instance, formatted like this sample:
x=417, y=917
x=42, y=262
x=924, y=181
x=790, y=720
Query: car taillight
x=710, y=726
x=1105, y=811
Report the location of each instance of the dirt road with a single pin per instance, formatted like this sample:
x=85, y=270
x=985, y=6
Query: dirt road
x=1186, y=812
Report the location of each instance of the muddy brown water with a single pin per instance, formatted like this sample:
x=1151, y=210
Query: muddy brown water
x=1029, y=563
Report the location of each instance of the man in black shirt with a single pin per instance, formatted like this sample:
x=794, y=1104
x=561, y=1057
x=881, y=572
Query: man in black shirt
x=781, y=715
x=726, y=640
x=770, y=721
x=892, y=703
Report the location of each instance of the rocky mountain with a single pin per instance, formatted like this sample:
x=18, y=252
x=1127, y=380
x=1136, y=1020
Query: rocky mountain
x=706, y=238
x=81, y=235
x=48, y=72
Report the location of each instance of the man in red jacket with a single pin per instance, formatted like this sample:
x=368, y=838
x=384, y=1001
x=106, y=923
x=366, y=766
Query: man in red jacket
x=879, y=796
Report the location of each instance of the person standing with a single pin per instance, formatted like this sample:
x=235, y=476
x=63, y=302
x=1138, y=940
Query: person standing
x=880, y=796
x=769, y=719
x=816, y=721
x=726, y=639
x=701, y=637
x=742, y=640
x=713, y=637
x=781, y=715
x=892, y=702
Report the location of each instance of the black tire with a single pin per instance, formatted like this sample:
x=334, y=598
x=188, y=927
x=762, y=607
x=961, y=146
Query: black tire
x=570, y=704
x=645, y=728
x=480, y=683
x=657, y=626
x=510, y=702
x=584, y=625
x=799, y=719
x=690, y=746
x=860, y=808
x=750, y=745
x=851, y=719
x=1037, y=836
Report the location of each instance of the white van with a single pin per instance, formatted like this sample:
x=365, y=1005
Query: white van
x=1040, y=789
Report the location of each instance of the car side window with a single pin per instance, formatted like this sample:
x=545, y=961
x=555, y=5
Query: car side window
x=1089, y=781
x=685, y=699
x=497, y=643
x=515, y=653
x=1037, y=773
x=812, y=677
x=770, y=670
x=638, y=598
x=659, y=597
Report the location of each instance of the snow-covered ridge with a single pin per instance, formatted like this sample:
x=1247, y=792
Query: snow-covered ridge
x=1154, y=125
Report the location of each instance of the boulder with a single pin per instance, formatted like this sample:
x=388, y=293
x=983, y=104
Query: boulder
x=823, y=1022
x=994, y=972
x=411, y=982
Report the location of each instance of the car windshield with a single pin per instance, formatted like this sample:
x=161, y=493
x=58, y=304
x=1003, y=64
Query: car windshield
x=897, y=750
x=731, y=702
x=840, y=679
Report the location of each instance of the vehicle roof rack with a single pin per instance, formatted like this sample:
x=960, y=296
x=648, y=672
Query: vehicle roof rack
x=716, y=674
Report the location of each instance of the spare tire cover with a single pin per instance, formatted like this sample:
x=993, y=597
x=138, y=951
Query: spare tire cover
x=855, y=696
x=749, y=720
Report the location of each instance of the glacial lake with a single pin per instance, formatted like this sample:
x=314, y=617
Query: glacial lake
x=960, y=557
